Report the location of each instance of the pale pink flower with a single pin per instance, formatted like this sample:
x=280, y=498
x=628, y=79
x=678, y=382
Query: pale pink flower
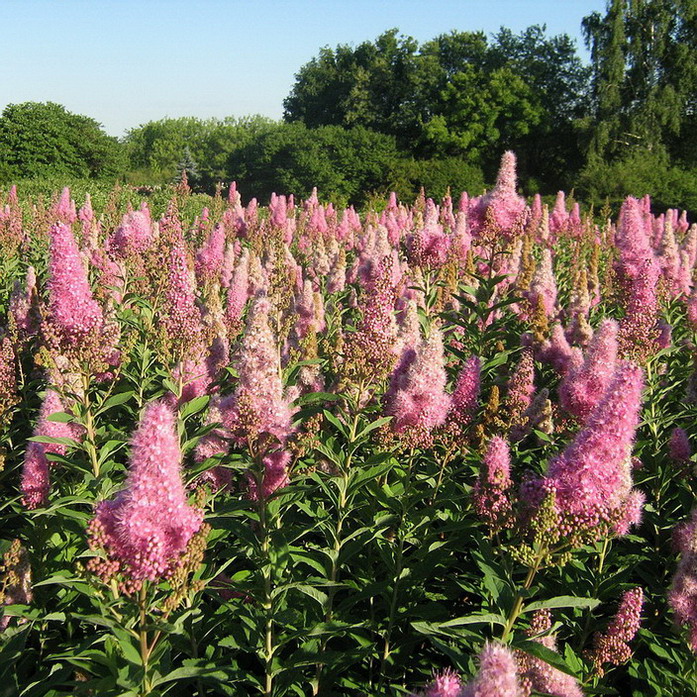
x=679, y=446
x=497, y=676
x=504, y=205
x=416, y=398
x=592, y=477
x=543, y=289
x=133, y=236
x=209, y=259
x=492, y=491
x=181, y=317
x=633, y=240
x=446, y=683
x=465, y=397
x=64, y=210
x=538, y=675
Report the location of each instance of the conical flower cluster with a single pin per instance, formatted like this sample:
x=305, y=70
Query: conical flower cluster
x=74, y=323
x=537, y=675
x=416, y=398
x=465, y=397
x=35, y=470
x=591, y=480
x=147, y=526
x=612, y=646
x=584, y=385
x=497, y=676
x=492, y=491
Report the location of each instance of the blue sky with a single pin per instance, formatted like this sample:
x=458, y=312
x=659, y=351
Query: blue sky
x=125, y=62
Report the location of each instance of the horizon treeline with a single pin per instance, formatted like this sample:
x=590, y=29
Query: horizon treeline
x=396, y=115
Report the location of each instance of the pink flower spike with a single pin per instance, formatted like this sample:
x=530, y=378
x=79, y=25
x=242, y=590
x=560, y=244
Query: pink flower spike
x=147, y=526
x=497, y=676
x=612, y=646
x=35, y=470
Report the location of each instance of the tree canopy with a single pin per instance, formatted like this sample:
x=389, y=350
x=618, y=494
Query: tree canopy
x=44, y=139
x=457, y=95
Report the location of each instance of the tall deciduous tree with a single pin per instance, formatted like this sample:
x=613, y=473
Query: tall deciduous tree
x=458, y=95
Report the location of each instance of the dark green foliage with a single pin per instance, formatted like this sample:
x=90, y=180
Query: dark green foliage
x=457, y=95
x=44, y=139
x=644, y=84
x=156, y=149
x=344, y=164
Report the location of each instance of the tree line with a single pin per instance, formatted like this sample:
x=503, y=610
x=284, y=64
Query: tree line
x=393, y=114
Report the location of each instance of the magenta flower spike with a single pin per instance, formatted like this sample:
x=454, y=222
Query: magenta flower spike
x=639, y=334
x=543, y=288
x=416, y=397
x=559, y=217
x=446, y=683
x=497, y=676
x=633, y=240
x=465, y=397
x=582, y=388
x=592, y=478
x=503, y=203
x=64, y=210
x=259, y=404
x=238, y=293
x=35, y=470
x=558, y=353
x=145, y=529
x=491, y=494
x=538, y=675
x=133, y=236
x=612, y=646
x=24, y=306
x=210, y=258
x=679, y=446
x=73, y=313
x=181, y=316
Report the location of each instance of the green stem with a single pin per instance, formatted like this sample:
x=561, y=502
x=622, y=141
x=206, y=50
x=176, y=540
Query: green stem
x=518, y=604
x=333, y=574
x=144, y=649
x=268, y=600
x=596, y=585
x=443, y=464
x=90, y=439
x=399, y=567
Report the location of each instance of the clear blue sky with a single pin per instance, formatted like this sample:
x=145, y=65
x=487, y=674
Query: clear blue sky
x=125, y=62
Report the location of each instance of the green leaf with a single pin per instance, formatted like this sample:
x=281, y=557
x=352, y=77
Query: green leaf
x=562, y=601
x=192, y=672
x=61, y=417
x=372, y=426
x=52, y=440
x=312, y=397
x=115, y=400
x=534, y=648
x=311, y=592
x=194, y=406
x=335, y=422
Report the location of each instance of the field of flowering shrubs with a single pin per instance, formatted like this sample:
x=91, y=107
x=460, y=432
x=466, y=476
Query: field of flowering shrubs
x=439, y=449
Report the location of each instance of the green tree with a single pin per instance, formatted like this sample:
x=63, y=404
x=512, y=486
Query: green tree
x=45, y=139
x=458, y=95
x=344, y=164
x=372, y=85
x=644, y=94
x=156, y=149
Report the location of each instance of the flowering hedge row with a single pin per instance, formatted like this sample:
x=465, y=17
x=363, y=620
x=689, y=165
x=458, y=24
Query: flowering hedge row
x=439, y=450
